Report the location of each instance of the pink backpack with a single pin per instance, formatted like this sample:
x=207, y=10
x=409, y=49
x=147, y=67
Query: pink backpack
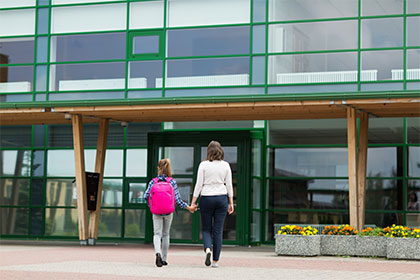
x=162, y=197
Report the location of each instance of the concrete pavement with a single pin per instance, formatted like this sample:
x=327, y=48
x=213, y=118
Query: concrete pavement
x=52, y=260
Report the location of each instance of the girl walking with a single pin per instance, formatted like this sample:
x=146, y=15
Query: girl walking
x=162, y=222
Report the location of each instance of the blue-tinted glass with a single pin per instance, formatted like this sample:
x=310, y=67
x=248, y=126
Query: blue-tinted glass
x=145, y=44
x=38, y=163
x=143, y=74
x=43, y=19
x=259, y=10
x=41, y=97
x=41, y=78
x=44, y=2
x=22, y=74
x=88, y=76
x=208, y=41
x=382, y=33
x=39, y=136
x=37, y=192
x=258, y=39
x=42, y=49
x=309, y=162
x=258, y=70
x=88, y=47
x=36, y=221
x=16, y=50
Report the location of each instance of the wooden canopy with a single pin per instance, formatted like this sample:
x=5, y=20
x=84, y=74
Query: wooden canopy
x=217, y=111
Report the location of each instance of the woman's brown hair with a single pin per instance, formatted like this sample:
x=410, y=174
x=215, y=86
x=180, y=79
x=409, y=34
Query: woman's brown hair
x=164, y=167
x=215, y=151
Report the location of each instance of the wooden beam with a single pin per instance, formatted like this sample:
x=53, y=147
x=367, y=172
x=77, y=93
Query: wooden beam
x=361, y=169
x=352, y=162
x=79, y=159
x=99, y=168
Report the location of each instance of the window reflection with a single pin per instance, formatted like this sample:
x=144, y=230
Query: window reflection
x=316, y=68
x=382, y=7
x=136, y=163
x=313, y=36
x=144, y=74
x=16, y=50
x=387, y=64
x=382, y=33
x=60, y=192
x=17, y=221
x=136, y=192
x=309, y=194
x=85, y=47
x=384, y=162
x=18, y=163
x=112, y=193
x=135, y=223
x=61, y=222
x=208, y=41
x=181, y=159
x=14, y=192
x=414, y=161
x=384, y=194
x=206, y=72
x=87, y=76
x=308, y=162
x=110, y=223
x=16, y=78
x=280, y=10
x=303, y=218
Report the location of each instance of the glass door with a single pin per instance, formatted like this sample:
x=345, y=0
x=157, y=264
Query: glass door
x=186, y=150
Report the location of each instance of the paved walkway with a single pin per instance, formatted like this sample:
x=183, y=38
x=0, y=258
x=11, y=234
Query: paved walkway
x=50, y=260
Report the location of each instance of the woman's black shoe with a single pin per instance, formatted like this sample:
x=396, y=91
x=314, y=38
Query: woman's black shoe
x=164, y=263
x=159, y=261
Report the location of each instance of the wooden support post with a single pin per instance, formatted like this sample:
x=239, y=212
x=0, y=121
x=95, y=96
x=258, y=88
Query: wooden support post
x=99, y=168
x=352, y=161
x=79, y=159
x=361, y=169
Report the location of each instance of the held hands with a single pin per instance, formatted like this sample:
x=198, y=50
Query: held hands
x=192, y=208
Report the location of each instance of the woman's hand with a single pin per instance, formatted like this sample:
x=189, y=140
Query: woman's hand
x=230, y=208
x=192, y=208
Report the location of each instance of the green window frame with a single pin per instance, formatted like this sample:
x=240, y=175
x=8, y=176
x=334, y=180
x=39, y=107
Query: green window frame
x=148, y=56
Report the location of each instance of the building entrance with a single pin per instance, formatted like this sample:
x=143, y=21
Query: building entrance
x=186, y=150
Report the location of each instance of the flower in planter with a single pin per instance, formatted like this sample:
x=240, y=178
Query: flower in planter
x=402, y=231
x=297, y=230
x=339, y=230
x=415, y=233
x=377, y=231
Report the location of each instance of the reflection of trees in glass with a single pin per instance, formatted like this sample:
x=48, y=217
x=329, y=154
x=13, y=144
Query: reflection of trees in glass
x=15, y=192
x=134, y=223
x=110, y=223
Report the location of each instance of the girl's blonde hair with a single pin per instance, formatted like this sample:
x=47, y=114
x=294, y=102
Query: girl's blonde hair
x=215, y=151
x=164, y=167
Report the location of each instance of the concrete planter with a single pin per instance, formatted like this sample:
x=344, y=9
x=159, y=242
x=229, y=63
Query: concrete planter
x=403, y=248
x=298, y=245
x=353, y=245
x=338, y=245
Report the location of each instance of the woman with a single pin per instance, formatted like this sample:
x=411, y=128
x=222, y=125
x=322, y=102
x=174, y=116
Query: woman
x=162, y=223
x=214, y=185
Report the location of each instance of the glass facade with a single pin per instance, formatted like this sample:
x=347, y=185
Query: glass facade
x=87, y=51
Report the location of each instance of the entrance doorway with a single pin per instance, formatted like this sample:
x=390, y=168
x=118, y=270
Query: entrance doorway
x=186, y=150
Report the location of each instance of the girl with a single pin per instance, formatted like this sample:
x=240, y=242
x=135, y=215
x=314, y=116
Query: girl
x=162, y=223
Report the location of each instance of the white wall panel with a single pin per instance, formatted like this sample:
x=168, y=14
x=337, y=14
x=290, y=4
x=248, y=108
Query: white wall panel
x=204, y=12
x=146, y=14
x=89, y=18
x=17, y=22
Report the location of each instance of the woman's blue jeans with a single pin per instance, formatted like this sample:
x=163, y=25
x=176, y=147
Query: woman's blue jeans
x=213, y=210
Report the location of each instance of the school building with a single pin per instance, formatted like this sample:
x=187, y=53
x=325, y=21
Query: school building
x=316, y=103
